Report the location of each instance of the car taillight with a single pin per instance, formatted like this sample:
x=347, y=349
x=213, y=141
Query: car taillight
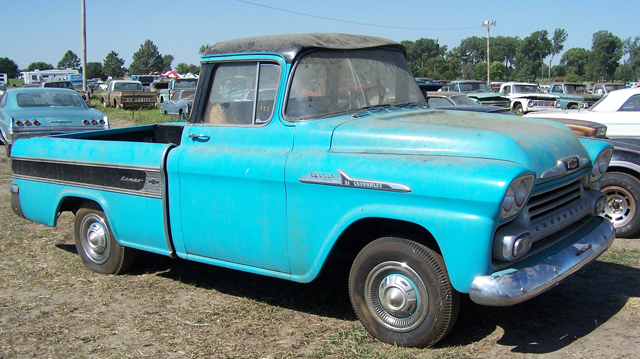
x=102, y=122
x=27, y=122
x=84, y=120
x=36, y=122
x=94, y=122
x=18, y=123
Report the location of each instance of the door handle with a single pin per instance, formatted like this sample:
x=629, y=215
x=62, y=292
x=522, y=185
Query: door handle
x=198, y=136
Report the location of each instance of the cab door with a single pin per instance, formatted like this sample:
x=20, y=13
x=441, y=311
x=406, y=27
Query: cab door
x=231, y=170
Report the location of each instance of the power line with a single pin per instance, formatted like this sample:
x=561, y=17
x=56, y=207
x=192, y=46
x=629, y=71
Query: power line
x=355, y=22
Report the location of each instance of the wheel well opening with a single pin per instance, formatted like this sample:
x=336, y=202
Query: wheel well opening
x=73, y=204
x=625, y=170
x=366, y=230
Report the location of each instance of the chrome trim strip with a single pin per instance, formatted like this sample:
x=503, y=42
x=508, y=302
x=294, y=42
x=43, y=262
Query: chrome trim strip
x=344, y=180
x=142, y=192
x=91, y=164
x=518, y=286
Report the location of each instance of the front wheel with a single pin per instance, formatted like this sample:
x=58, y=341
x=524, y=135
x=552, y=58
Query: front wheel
x=622, y=192
x=96, y=245
x=517, y=109
x=400, y=291
x=573, y=106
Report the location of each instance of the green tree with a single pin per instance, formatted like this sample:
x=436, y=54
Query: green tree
x=113, y=65
x=481, y=71
x=194, y=69
x=166, y=62
x=69, y=61
x=9, y=67
x=606, y=52
x=471, y=50
x=632, y=48
x=420, y=51
x=557, y=44
x=39, y=65
x=203, y=49
x=505, y=49
x=498, y=71
x=183, y=68
x=535, y=47
x=442, y=68
x=625, y=73
x=575, y=60
x=147, y=59
x=94, y=69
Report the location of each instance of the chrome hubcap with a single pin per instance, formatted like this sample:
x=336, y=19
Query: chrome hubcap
x=95, y=238
x=620, y=206
x=396, y=296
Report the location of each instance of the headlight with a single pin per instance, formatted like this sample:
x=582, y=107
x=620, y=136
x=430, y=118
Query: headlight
x=531, y=103
x=517, y=195
x=585, y=105
x=557, y=104
x=600, y=165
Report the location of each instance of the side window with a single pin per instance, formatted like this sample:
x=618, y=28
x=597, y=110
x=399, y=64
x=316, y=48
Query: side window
x=632, y=104
x=557, y=88
x=233, y=99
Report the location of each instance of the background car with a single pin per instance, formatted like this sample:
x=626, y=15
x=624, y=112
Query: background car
x=619, y=111
x=29, y=112
x=179, y=105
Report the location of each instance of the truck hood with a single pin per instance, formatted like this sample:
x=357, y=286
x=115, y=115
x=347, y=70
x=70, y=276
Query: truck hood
x=533, y=143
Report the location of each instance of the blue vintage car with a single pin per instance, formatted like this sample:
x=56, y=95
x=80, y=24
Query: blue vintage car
x=179, y=105
x=301, y=146
x=28, y=112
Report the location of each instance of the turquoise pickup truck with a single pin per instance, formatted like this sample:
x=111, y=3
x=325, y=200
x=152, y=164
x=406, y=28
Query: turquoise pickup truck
x=302, y=146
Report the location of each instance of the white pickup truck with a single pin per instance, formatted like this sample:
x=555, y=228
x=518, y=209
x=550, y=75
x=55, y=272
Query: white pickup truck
x=527, y=97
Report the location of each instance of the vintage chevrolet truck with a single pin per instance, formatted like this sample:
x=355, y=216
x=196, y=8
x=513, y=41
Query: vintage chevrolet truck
x=301, y=146
x=527, y=97
x=127, y=94
x=572, y=95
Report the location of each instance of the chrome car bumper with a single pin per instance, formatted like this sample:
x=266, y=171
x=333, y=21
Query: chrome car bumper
x=518, y=286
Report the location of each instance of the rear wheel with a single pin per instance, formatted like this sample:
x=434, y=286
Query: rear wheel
x=573, y=106
x=400, y=291
x=96, y=245
x=104, y=102
x=623, y=195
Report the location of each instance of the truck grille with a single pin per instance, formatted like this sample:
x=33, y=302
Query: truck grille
x=546, y=203
x=543, y=103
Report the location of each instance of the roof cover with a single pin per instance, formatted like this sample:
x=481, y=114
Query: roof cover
x=290, y=45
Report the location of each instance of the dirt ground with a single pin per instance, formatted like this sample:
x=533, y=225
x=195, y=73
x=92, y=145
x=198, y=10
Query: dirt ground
x=52, y=307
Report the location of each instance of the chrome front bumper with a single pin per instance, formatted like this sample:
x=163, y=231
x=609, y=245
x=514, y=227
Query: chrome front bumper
x=518, y=286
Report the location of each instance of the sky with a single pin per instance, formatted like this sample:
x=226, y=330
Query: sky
x=44, y=30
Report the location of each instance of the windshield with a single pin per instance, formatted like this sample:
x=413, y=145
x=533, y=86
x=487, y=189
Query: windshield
x=463, y=100
x=573, y=89
x=185, y=84
x=525, y=89
x=50, y=99
x=614, y=87
x=473, y=87
x=328, y=82
x=128, y=86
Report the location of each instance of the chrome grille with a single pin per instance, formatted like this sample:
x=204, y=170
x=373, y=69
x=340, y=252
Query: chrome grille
x=546, y=203
x=544, y=103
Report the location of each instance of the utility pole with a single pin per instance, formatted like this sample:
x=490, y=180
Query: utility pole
x=488, y=25
x=84, y=47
